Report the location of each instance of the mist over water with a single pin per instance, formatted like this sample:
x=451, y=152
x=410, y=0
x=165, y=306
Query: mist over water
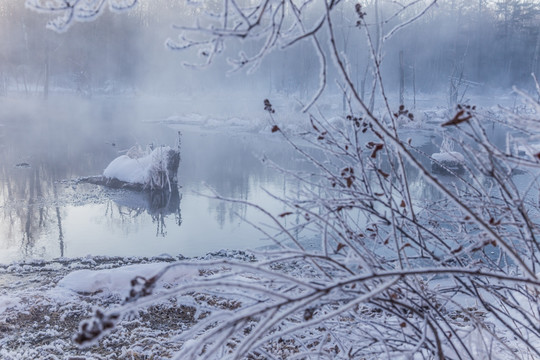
x=47, y=212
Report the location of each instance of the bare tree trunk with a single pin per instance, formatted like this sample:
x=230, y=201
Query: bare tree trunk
x=27, y=57
x=59, y=221
x=3, y=87
x=401, y=79
x=46, y=83
x=534, y=65
x=414, y=84
x=378, y=32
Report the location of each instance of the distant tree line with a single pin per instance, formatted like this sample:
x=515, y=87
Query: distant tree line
x=461, y=43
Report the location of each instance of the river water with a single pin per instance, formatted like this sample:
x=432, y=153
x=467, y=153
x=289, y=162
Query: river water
x=46, y=213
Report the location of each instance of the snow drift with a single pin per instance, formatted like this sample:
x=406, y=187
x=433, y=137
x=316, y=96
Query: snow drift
x=117, y=281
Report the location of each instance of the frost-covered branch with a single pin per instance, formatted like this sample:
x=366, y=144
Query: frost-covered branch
x=76, y=10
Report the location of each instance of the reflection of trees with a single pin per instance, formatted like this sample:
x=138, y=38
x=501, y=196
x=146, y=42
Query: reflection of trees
x=229, y=165
x=58, y=142
x=25, y=212
x=223, y=163
x=31, y=207
x=159, y=205
x=43, y=139
x=30, y=194
x=162, y=204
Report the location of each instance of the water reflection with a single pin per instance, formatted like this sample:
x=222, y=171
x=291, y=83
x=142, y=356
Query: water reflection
x=43, y=214
x=38, y=148
x=158, y=204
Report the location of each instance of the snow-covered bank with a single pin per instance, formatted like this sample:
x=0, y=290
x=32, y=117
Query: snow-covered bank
x=42, y=303
x=428, y=111
x=116, y=282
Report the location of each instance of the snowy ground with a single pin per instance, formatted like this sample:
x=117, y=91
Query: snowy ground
x=42, y=303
